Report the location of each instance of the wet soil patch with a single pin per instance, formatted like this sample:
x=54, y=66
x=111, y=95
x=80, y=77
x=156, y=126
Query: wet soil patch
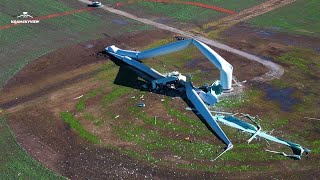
x=284, y=96
x=244, y=31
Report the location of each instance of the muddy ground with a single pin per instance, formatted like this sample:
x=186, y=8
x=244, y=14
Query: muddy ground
x=35, y=96
x=266, y=42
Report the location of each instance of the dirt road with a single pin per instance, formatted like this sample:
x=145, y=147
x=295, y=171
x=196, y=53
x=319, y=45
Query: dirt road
x=275, y=70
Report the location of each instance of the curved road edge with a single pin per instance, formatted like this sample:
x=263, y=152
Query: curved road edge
x=275, y=70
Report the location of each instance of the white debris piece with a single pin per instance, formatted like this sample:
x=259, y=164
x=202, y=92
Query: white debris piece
x=78, y=97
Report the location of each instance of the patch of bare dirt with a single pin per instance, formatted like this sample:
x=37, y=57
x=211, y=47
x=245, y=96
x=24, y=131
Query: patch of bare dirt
x=273, y=43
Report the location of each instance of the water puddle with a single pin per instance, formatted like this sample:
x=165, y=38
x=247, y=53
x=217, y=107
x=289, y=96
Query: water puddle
x=282, y=96
x=119, y=22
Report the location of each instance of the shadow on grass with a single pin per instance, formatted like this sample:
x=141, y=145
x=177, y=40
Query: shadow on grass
x=129, y=76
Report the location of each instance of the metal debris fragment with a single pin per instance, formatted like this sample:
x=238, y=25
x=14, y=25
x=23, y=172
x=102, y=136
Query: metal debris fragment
x=312, y=118
x=78, y=97
x=234, y=122
x=200, y=97
x=141, y=105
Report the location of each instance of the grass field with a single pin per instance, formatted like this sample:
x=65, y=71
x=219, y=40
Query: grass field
x=177, y=138
x=300, y=17
x=58, y=32
x=15, y=162
x=186, y=13
x=21, y=44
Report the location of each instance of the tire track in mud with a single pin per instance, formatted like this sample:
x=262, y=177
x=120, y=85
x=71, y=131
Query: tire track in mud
x=275, y=70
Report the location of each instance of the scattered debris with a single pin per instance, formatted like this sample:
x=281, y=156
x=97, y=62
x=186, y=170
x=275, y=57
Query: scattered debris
x=204, y=96
x=155, y=119
x=190, y=109
x=78, y=97
x=258, y=126
x=117, y=116
x=237, y=83
x=133, y=97
x=141, y=96
x=286, y=155
x=88, y=46
x=234, y=122
x=178, y=38
x=141, y=105
x=312, y=118
x=162, y=100
x=220, y=112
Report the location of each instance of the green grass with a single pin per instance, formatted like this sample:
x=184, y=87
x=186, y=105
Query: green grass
x=300, y=17
x=182, y=61
x=15, y=162
x=239, y=168
x=114, y=94
x=94, y=120
x=196, y=127
x=74, y=123
x=153, y=141
x=8, y=71
x=23, y=43
x=302, y=59
x=157, y=122
x=187, y=13
x=149, y=137
x=145, y=156
x=81, y=104
x=302, y=74
x=316, y=146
